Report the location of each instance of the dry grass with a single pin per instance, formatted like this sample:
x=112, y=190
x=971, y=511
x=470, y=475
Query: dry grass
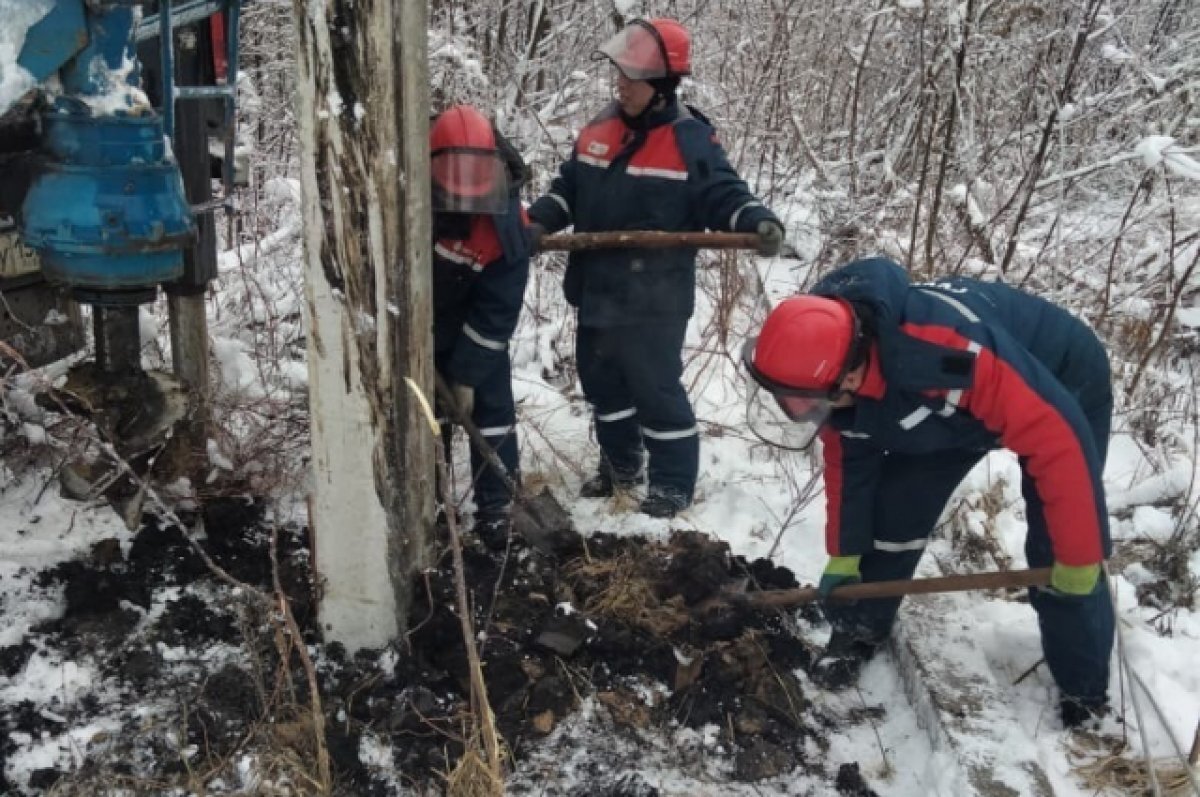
x=472, y=777
x=1107, y=766
x=628, y=593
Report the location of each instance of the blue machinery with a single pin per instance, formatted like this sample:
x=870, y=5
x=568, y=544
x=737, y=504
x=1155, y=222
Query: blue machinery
x=106, y=210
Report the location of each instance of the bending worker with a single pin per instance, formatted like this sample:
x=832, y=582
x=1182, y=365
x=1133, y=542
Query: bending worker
x=480, y=266
x=911, y=385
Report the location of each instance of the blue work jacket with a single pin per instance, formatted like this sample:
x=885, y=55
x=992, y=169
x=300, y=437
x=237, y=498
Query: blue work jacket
x=963, y=364
x=670, y=174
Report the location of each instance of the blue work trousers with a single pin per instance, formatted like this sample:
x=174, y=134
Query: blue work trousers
x=1077, y=631
x=495, y=414
x=631, y=375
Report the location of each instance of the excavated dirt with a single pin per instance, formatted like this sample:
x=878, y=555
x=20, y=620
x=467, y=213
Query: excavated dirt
x=613, y=619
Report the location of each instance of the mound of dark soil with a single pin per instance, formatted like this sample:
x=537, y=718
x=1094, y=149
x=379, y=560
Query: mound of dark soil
x=619, y=616
x=627, y=622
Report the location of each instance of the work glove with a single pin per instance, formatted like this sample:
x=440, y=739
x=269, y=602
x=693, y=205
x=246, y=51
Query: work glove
x=840, y=570
x=536, y=233
x=1074, y=580
x=464, y=399
x=770, y=238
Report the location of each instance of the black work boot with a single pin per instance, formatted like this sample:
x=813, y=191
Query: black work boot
x=663, y=503
x=842, y=662
x=1078, y=712
x=493, y=525
x=605, y=484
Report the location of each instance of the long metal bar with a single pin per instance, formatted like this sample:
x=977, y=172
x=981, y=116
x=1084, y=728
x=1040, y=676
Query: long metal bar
x=117, y=338
x=647, y=239
x=166, y=48
x=233, y=13
x=203, y=92
x=1035, y=577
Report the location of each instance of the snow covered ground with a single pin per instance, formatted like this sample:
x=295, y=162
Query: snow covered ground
x=746, y=495
x=763, y=502
x=746, y=498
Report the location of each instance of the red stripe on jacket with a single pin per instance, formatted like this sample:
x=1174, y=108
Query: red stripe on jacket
x=660, y=152
x=482, y=247
x=1034, y=429
x=601, y=142
x=832, y=441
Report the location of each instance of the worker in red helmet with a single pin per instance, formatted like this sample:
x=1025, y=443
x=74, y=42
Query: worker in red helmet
x=910, y=386
x=646, y=162
x=480, y=267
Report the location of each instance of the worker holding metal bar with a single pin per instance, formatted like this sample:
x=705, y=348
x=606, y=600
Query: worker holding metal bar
x=480, y=267
x=647, y=162
x=908, y=386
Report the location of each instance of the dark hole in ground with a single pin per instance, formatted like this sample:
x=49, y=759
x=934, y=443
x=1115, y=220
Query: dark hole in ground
x=607, y=623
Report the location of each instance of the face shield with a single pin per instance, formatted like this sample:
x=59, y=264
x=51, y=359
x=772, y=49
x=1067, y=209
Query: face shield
x=637, y=51
x=782, y=415
x=769, y=422
x=468, y=180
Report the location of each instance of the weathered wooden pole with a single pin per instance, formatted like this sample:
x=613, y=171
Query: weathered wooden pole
x=364, y=110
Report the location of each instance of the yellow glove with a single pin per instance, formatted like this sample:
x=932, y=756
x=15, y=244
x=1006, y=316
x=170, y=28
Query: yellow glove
x=839, y=570
x=1077, y=580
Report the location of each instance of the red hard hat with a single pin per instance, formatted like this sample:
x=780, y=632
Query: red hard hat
x=805, y=343
x=465, y=163
x=650, y=49
x=461, y=126
x=677, y=44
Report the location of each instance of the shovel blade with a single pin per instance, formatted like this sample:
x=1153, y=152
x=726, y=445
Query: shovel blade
x=543, y=522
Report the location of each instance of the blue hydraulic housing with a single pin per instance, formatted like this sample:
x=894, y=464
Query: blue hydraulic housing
x=107, y=211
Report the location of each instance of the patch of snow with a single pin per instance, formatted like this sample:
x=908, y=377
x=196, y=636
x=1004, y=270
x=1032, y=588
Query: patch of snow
x=1188, y=316
x=1115, y=53
x=1157, y=489
x=1161, y=150
x=237, y=368
x=376, y=753
x=116, y=94
x=333, y=103
x=19, y=16
x=1153, y=523
x=1137, y=574
x=1151, y=149
x=217, y=457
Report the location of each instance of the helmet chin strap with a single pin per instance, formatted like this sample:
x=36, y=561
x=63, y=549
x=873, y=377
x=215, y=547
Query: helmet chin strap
x=664, y=93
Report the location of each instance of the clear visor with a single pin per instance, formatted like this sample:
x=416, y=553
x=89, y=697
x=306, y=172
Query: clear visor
x=637, y=52
x=469, y=181
x=802, y=409
x=793, y=429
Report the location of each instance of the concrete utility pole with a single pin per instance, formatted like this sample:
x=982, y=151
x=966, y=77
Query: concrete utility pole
x=364, y=97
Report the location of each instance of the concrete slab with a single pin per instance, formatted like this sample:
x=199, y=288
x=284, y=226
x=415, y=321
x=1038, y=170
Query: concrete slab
x=961, y=705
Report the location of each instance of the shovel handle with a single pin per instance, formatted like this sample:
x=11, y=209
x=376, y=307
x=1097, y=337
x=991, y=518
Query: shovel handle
x=647, y=239
x=1036, y=577
x=446, y=396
